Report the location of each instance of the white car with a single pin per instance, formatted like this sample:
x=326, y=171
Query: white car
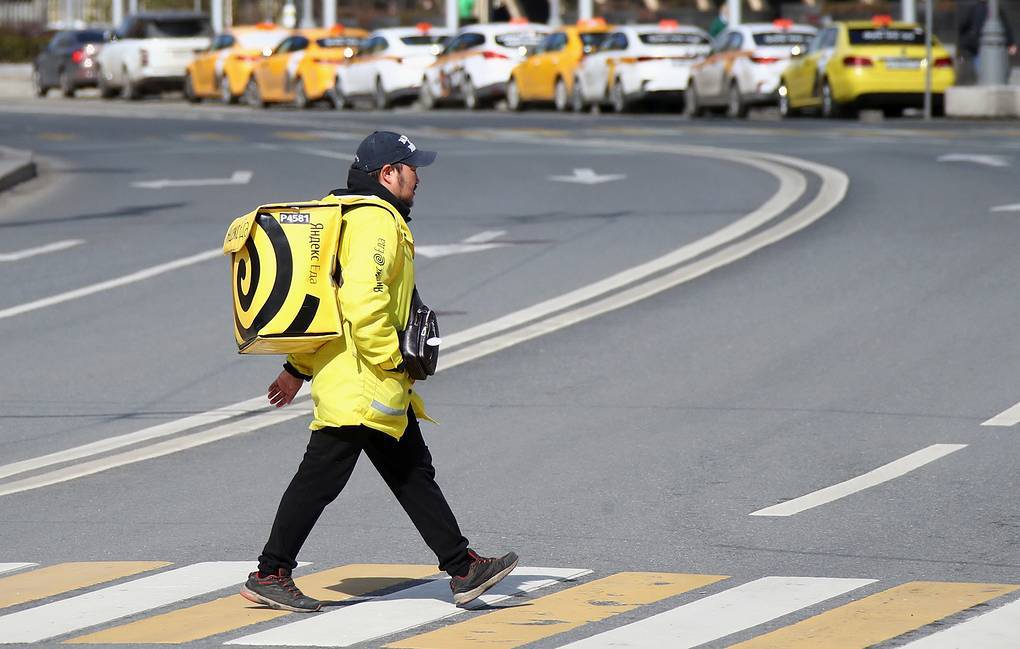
x=390, y=65
x=151, y=51
x=744, y=67
x=476, y=63
x=639, y=62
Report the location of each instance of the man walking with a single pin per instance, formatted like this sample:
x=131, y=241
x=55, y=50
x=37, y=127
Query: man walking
x=363, y=397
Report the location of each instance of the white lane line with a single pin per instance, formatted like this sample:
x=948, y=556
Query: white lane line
x=870, y=479
x=484, y=237
x=976, y=158
x=11, y=567
x=792, y=186
x=725, y=613
x=400, y=611
x=1013, y=207
x=237, y=178
x=997, y=629
x=159, y=449
x=41, y=250
x=138, y=276
x=107, y=604
x=144, y=435
x=323, y=153
x=1008, y=417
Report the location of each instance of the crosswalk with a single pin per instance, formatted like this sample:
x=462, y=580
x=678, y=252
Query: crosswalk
x=407, y=606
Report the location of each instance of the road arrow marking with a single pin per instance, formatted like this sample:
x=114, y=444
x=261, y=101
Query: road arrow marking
x=239, y=178
x=474, y=243
x=1015, y=207
x=587, y=177
x=987, y=160
x=41, y=250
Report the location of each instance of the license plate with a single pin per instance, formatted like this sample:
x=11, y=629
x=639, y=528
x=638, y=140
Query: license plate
x=903, y=64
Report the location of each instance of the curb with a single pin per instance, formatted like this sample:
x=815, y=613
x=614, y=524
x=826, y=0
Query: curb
x=16, y=166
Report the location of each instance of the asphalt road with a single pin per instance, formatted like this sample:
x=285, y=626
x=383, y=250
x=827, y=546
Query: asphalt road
x=869, y=315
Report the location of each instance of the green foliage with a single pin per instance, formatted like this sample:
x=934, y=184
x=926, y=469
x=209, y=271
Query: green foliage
x=21, y=46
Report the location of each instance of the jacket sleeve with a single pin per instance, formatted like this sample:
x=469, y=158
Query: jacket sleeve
x=299, y=366
x=367, y=256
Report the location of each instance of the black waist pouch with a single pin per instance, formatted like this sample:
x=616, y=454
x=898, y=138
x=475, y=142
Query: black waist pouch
x=419, y=342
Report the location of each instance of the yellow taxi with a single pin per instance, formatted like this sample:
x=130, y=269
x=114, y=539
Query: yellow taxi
x=549, y=73
x=224, y=69
x=878, y=63
x=302, y=68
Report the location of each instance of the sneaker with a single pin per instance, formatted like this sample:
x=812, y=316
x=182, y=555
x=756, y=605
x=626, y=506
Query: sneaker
x=278, y=591
x=483, y=573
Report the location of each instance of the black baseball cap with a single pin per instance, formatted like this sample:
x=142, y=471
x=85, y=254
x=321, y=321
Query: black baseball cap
x=387, y=148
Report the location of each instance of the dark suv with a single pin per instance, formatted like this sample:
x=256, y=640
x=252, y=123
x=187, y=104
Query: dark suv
x=68, y=62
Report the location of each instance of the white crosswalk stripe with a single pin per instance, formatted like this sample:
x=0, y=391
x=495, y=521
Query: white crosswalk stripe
x=722, y=614
x=399, y=611
x=114, y=602
x=11, y=567
x=998, y=629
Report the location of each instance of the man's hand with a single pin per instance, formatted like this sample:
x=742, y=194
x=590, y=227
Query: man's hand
x=283, y=389
x=1012, y=50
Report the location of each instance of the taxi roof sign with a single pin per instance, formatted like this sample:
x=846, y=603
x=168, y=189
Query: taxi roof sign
x=881, y=19
x=668, y=23
x=782, y=23
x=519, y=20
x=592, y=22
x=266, y=25
x=424, y=27
x=337, y=29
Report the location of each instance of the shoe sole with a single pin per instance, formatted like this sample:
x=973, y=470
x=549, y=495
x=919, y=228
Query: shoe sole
x=254, y=597
x=461, y=599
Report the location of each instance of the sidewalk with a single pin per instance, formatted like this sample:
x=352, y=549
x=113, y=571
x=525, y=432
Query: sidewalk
x=16, y=166
x=16, y=80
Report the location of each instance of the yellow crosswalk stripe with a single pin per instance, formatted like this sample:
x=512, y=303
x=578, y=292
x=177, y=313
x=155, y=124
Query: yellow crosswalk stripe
x=559, y=612
x=212, y=137
x=65, y=577
x=880, y=617
x=235, y=612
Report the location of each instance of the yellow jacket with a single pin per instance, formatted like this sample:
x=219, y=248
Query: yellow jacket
x=355, y=379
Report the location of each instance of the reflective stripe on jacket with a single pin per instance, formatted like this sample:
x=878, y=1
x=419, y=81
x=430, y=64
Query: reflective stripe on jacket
x=355, y=379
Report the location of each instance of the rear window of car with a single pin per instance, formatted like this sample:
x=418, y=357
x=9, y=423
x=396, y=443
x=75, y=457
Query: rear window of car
x=886, y=36
x=672, y=38
x=767, y=39
x=423, y=39
x=177, y=28
x=89, y=37
x=594, y=40
x=339, y=41
x=520, y=39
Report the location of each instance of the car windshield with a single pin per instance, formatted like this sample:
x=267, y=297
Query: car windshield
x=260, y=40
x=89, y=37
x=673, y=38
x=887, y=36
x=520, y=39
x=782, y=38
x=423, y=39
x=339, y=41
x=177, y=28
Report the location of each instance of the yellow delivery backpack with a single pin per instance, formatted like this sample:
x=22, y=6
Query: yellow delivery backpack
x=283, y=272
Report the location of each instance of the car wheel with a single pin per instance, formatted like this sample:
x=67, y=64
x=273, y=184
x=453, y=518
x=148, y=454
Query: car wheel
x=337, y=96
x=67, y=87
x=785, y=109
x=189, y=90
x=560, y=96
x=425, y=98
x=692, y=105
x=830, y=107
x=37, y=84
x=735, y=106
x=577, y=102
x=300, y=95
x=226, y=95
x=513, y=95
x=893, y=111
x=380, y=99
x=616, y=97
x=252, y=95
x=469, y=93
x=129, y=90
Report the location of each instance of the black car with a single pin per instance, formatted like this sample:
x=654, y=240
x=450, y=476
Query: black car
x=68, y=62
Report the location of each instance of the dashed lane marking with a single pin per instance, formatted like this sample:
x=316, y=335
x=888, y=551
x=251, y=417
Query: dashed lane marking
x=560, y=612
x=40, y=250
x=235, y=612
x=1008, y=417
x=881, y=616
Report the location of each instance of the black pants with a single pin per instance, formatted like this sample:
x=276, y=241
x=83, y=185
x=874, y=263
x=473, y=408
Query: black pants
x=405, y=465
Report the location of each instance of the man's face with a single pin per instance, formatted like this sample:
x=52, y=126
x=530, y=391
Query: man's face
x=402, y=180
